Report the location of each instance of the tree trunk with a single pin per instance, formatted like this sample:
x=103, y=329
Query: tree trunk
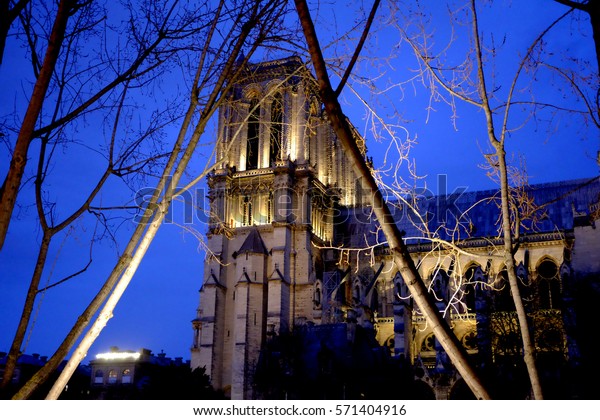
x=107, y=311
x=509, y=261
x=12, y=182
x=398, y=249
x=48, y=233
x=528, y=349
x=15, y=349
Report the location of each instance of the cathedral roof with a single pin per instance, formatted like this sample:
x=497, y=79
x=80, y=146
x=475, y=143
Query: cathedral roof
x=267, y=70
x=550, y=207
x=546, y=208
x=253, y=244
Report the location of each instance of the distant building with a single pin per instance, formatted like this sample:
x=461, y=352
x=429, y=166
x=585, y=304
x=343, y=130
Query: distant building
x=134, y=374
x=29, y=364
x=299, y=287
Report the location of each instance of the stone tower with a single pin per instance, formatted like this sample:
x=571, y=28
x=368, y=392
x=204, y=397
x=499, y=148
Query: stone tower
x=280, y=175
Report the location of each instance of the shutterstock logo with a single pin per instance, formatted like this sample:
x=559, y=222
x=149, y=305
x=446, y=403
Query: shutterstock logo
x=263, y=205
x=417, y=204
x=188, y=206
x=443, y=207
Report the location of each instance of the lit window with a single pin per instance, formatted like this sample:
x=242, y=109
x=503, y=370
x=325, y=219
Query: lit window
x=126, y=378
x=112, y=377
x=99, y=377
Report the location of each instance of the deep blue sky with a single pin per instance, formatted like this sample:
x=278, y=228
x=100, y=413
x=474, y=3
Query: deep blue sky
x=156, y=310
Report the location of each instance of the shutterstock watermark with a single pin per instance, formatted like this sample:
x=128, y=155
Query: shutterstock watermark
x=245, y=204
x=188, y=207
x=423, y=204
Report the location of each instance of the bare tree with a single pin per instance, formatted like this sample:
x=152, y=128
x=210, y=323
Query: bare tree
x=12, y=182
x=574, y=78
x=499, y=145
x=116, y=166
x=398, y=249
x=247, y=26
x=473, y=82
x=77, y=77
x=169, y=31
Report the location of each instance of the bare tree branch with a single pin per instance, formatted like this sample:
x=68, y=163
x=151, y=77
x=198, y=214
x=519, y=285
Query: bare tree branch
x=358, y=49
x=12, y=182
x=398, y=249
x=7, y=16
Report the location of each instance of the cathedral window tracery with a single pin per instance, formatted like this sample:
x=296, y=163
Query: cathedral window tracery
x=276, y=132
x=253, y=135
x=548, y=285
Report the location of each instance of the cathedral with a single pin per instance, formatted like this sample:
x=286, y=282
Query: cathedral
x=300, y=298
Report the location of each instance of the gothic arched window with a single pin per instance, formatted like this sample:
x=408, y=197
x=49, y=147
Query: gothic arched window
x=400, y=290
x=439, y=284
x=469, y=289
x=548, y=285
x=253, y=133
x=375, y=299
x=276, y=138
x=317, y=297
x=503, y=299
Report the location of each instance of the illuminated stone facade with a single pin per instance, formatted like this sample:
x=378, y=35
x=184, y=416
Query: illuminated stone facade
x=280, y=174
x=287, y=219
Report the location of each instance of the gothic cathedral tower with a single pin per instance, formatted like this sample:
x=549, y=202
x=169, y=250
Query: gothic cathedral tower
x=280, y=175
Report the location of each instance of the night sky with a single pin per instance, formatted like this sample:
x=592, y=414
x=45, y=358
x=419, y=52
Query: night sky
x=156, y=310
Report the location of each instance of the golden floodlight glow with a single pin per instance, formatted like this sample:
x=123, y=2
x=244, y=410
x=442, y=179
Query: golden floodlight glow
x=122, y=355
